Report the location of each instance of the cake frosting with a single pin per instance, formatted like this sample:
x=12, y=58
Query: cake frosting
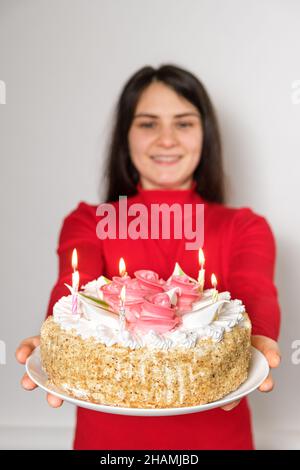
x=159, y=314
x=179, y=345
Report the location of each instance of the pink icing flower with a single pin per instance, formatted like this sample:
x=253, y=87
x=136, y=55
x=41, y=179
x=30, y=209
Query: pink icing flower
x=150, y=280
x=132, y=308
x=189, y=291
x=157, y=313
x=121, y=280
x=147, y=305
x=110, y=289
x=133, y=300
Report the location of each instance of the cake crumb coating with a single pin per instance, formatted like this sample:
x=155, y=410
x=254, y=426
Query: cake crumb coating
x=145, y=377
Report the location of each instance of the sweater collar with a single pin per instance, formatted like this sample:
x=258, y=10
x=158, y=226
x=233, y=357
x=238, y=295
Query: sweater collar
x=168, y=195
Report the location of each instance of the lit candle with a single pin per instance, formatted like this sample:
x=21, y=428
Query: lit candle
x=201, y=274
x=122, y=308
x=122, y=268
x=215, y=294
x=75, y=282
x=123, y=277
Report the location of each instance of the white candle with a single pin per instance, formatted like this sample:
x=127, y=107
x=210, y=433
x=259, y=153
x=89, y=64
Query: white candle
x=201, y=274
x=215, y=294
x=122, y=308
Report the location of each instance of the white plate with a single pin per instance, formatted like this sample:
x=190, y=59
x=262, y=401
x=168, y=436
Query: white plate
x=259, y=370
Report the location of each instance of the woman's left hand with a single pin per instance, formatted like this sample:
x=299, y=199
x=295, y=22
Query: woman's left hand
x=271, y=351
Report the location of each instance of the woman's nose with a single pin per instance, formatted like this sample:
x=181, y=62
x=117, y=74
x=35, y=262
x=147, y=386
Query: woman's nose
x=167, y=137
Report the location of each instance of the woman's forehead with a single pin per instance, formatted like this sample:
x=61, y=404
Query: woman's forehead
x=159, y=99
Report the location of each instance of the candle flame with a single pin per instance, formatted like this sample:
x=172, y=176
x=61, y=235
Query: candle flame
x=213, y=280
x=201, y=257
x=122, y=267
x=74, y=259
x=123, y=294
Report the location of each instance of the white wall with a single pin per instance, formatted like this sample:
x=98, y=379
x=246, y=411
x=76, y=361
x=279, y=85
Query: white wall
x=64, y=63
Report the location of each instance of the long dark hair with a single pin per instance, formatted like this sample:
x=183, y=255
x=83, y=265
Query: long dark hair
x=122, y=176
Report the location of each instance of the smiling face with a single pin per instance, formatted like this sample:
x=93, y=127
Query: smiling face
x=165, y=138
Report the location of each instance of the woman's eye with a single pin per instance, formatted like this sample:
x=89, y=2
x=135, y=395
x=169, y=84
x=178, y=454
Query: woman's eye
x=185, y=124
x=147, y=125
x=151, y=125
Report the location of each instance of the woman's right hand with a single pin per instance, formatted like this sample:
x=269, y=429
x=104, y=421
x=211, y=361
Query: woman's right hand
x=24, y=350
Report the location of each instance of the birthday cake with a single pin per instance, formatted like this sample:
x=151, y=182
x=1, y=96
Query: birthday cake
x=154, y=343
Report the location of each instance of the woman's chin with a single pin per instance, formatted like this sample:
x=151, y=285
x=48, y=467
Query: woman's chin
x=169, y=183
x=165, y=180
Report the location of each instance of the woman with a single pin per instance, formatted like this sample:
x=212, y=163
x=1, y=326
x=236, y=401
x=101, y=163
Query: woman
x=165, y=147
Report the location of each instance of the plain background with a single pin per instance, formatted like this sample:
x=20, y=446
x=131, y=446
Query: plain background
x=64, y=63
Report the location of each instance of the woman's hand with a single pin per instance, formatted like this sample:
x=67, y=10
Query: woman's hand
x=271, y=351
x=24, y=350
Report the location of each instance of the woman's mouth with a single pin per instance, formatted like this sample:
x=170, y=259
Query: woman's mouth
x=166, y=159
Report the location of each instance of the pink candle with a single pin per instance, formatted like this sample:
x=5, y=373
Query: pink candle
x=75, y=282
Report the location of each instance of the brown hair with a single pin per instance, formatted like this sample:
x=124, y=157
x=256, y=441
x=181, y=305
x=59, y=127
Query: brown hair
x=121, y=174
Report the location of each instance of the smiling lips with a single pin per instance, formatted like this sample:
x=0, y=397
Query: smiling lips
x=166, y=159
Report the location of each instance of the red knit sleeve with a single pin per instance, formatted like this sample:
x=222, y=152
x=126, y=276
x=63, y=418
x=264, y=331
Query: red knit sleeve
x=251, y=271
x=78, y=231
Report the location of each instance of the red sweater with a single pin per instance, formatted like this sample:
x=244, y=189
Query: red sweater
x=239, y=248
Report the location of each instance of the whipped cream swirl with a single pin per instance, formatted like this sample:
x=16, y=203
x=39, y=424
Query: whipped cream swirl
x=204, y=319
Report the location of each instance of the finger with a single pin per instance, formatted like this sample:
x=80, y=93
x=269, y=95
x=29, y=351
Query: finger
x=268, y=347
x=26, y=347
x=230, y=406
x=54, y=401
x=23, y=352
x=273, y=358
x=33, y=341
x=27, y=383
x=267, y=385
